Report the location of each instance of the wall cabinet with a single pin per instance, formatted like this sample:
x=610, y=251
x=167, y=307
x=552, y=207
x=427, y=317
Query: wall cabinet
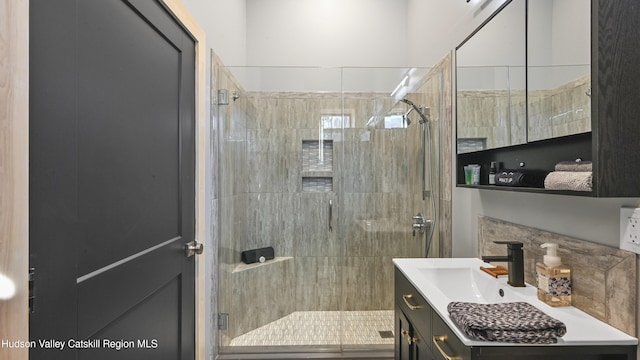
x=613, y=143
x=420, y=333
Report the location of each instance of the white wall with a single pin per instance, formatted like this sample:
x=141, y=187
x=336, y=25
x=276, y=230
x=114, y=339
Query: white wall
x=436, y=26
x=327, y=33
x=593, y=220
x=225, y=25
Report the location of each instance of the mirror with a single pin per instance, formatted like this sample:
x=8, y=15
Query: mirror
x=491, y=81
x=558, y=68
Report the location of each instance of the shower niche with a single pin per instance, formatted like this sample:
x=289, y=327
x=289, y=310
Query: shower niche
x=317, y=166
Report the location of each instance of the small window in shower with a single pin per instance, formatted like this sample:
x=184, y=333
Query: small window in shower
x=317, y=165
x=336, y=121
x=393, y=122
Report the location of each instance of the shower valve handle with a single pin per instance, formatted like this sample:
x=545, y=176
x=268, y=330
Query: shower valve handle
x=420, y=223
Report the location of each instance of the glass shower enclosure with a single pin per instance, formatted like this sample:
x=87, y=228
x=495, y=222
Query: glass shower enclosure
x=319, y=164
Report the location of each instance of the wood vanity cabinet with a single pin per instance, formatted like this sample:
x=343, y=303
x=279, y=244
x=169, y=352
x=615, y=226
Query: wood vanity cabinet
x=420, y=333
x=613, y=144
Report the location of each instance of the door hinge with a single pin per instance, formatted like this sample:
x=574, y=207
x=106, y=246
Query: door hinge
x=32, y=290
x=223, y=321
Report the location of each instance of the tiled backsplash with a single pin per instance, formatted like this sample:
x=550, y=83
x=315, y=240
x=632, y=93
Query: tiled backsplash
x=604, y=279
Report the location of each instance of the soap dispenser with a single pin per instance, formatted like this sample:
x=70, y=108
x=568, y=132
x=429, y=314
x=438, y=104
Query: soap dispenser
x=554, y=279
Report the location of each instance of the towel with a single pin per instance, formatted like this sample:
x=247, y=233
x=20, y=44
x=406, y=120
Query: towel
x=574, y=166
x=569, y=180
x=515, y=322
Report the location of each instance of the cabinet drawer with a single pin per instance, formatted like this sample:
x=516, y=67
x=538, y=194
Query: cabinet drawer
x=409, y=300
x=445, y=344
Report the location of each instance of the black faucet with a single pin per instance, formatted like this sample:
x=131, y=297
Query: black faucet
x=515, y=258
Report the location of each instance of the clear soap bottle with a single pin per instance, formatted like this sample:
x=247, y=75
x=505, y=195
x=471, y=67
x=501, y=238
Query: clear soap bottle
x=554, y=279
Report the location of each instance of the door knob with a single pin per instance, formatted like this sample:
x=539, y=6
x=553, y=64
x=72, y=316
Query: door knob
x=194, y=248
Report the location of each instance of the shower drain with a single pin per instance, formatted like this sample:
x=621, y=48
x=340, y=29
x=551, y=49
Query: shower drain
x=386, y=334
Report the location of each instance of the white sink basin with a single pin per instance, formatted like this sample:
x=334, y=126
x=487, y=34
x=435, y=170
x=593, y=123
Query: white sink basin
x=441, y=281
x=465, y=284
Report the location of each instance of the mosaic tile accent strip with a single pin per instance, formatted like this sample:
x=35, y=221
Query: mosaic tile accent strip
x=317, y=184
x=322, y=328
x=315, y=157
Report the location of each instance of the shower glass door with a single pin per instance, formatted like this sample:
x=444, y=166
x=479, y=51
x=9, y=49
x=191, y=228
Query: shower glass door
x=317, y=164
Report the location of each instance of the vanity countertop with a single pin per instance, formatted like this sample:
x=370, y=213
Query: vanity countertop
x=443, y=280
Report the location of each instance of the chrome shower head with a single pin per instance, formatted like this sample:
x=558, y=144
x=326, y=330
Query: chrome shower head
x=405, y=117
x=422, y=110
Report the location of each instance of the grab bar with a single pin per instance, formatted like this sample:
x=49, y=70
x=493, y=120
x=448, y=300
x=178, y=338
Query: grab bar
x=330, y=215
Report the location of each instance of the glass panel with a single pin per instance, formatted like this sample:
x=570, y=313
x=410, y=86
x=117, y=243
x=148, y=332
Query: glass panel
x=491, y=81
x=320, y=165
x=559, y=71
x=277, y=169
x=381, y=191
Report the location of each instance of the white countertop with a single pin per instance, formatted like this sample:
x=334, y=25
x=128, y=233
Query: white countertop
x=582, y=328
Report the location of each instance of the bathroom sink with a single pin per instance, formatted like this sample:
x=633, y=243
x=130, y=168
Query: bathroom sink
x=445, y=280
x=466, y=284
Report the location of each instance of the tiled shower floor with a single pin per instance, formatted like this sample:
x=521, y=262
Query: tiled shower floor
x=323, y=328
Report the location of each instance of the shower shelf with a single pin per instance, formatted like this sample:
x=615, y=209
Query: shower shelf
x=243, y=267
x=316, y=174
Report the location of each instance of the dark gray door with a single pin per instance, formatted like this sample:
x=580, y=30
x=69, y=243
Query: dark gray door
x=111, y=180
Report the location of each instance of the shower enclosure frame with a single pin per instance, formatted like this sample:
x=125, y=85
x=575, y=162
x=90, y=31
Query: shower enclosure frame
x=228, y=132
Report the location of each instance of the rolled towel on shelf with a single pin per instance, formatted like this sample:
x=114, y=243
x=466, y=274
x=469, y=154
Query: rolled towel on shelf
x=569, y=180
x=515, y=322
x=574, y=166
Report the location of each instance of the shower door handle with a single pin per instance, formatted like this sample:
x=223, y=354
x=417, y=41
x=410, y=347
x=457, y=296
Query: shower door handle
x=330, y=215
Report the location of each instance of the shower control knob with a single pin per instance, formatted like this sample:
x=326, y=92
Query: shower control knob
x=419, y=223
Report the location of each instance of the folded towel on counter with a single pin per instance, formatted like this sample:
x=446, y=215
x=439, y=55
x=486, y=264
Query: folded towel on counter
x=574, y=166
x=528, y=178
x=515, y=322
x=569, y=180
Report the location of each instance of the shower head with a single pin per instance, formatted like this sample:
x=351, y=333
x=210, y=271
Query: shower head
x=422, y=110
x=405, y=117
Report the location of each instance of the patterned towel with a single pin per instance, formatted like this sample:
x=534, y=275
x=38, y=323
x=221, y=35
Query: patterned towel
x=516, y=322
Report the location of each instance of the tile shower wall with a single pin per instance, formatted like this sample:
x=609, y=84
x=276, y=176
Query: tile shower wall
x=375, y=176
x=499, y=116
x=484, y=114
x=561, y=111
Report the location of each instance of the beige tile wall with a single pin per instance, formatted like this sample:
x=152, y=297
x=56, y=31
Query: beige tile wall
x=604, y=279
x=500, y=116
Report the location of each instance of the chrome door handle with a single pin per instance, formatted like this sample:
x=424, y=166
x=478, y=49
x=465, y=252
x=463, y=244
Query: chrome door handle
x=330, y=215
x=194, y=248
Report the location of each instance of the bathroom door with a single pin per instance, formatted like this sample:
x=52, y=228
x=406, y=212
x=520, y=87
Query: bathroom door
x=111, y=181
